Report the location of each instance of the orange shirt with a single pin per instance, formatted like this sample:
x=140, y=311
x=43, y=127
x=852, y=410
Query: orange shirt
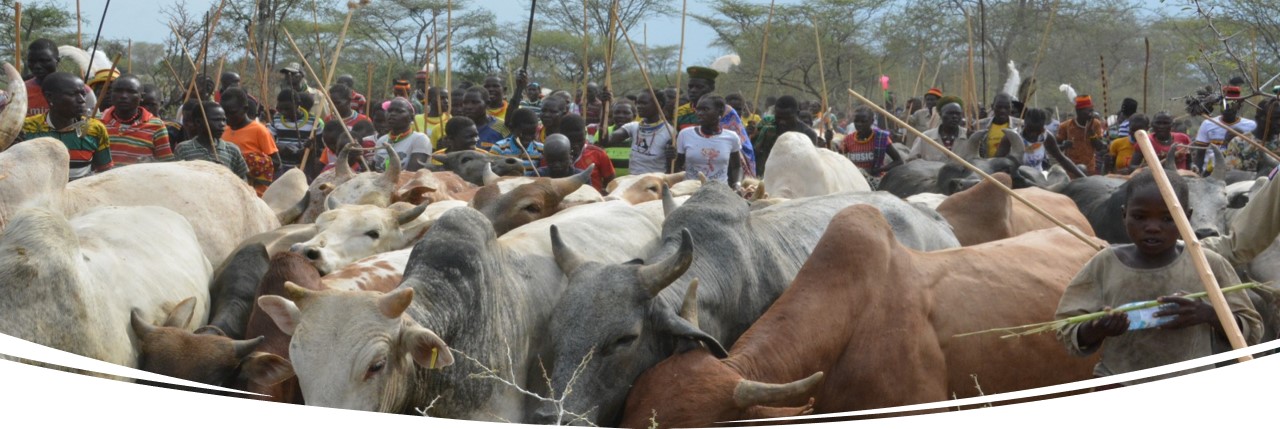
x=254, y=138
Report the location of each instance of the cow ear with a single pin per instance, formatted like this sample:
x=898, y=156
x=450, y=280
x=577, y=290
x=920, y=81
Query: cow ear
x=282, y=311
x=392, y=304
x=1238, y=201
x=679, y=329
x=425, y=347
x=764, y=412
x=181, y=314
x=266, y=369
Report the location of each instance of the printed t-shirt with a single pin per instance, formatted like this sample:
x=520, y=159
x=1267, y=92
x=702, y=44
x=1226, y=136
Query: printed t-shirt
x=143, y=138
x=705, y=154
x=87, y=143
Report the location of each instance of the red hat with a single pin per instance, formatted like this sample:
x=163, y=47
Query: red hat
x=934, y=92
x=1231, y=92
x=1084, y=102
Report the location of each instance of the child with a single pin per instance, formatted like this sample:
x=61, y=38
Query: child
x=414, y=148
x=522, y=143
x=558, y=157
x=1154, y=266
x=586, y=155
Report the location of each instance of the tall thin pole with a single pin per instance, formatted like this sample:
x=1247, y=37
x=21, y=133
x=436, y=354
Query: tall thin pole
x=586, y=44
x=764, y=51
x=130, y=50
x=368, y=89
x=528, y=36
x=17, y=35
x=79, y=27
x=603, y=129
x=674, y=122
x=95, y=37
x=982, y=38
x=822, y=74
x=448, y=47
x=1146, y=67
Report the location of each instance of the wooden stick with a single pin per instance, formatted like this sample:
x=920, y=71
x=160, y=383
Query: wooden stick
x=605, y=113
x=644, y=73
x=1246, y=138
x=106, y=86
x=679, y=74
x=1044, y=40
x=217, y=82
x=79, y=25
x=213, y=143
x=337, y=52
x=368, y=102
x=971, y=105
x=822, y=76
x=978, y=171
x=448, y=47
x=315, y=29
x=764, y=52
x=586, y=45
x=17, y=36
x=1146, y=67
x=323, y=94
x=1102, y=62
x=1192, y=245
x=919, y=77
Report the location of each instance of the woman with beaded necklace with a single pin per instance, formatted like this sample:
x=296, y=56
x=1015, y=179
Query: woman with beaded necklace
x=413, y=147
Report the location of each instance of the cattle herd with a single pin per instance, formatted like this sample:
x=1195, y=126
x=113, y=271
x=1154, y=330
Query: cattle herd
x=463, y=293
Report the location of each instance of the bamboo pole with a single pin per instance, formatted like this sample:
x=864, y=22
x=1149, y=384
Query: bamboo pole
x=605, y=113
x=323, y=94
x=79, y=27
x=130, y=50
x=586, y=45
x=1146, y=67
x=448, y=46
x=368, y=102
x=679, y=74
x=645, y=73
x=1102, y=63
x=315, y=29
x=764, y=51
x=17, y=35
x=1246, y=138
x=979, y=172
x=217, y=82
x=822, y=75
x=1193, y=245
x=337, y=52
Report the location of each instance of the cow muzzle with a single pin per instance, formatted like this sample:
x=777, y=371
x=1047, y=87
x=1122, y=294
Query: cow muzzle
x=1203, y=233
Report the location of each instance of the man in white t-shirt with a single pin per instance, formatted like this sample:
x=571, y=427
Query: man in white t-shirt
x=1212, y=132
x=650, y=138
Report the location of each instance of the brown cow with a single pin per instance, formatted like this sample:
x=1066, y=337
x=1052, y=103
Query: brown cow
x=218, y=360
x=424, y=186
x=637, y=189
x=879, y=321
x=510, y=203
x=984, y=213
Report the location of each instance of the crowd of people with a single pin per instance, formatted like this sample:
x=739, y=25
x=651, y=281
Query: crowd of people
x=115, y=120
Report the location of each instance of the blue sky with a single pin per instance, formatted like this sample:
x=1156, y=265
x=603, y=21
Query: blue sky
x=143, y=21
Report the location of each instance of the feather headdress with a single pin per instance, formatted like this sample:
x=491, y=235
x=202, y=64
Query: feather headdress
x=1071, y=92
x=88, y=66
x=1011, y=84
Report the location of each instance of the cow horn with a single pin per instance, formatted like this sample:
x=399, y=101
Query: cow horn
x=673, y=178
x=689, y=308
x=342, y=170
x=569, y=185
x=291, y=214
x=390, y=177
x=750, y=393
x=566, y=259
x=331, y=204
x=294, y=292
x=12, y=116
x=411, y=214
x=654, y=278
x=1219, y=163
x=1170, y=161
x=668, y=203
x=489, y=177
x=759, y=194
x=702, y=178
x=244, y=347
x=141, y=328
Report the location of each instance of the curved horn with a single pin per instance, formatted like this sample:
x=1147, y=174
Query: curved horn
x=673, y=178
x=390, y=177
x=141, y=328
x=342, y=170
x=654, y=278
x=244, y=347
x=1219, y=163
x=291, y=214
x=749, y=393
x=294, y=292
x=668, y=203
x=331, y=204
x=13, y=114
x=411, y=214
x=566, y=259
x=568, y=185
x=689, y=308
x=489, y=176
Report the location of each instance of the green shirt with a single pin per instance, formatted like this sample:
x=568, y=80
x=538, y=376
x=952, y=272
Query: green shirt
x=228, y=155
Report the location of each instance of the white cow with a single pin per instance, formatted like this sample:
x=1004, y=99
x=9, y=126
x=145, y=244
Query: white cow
x=221, y=208
x=797, y=169
x=71, y=285
x=637, y=189
x=350, y=232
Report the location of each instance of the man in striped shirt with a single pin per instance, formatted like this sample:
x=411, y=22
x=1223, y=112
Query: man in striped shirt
x=86, y=139
x=206, y=129
x=136, y=134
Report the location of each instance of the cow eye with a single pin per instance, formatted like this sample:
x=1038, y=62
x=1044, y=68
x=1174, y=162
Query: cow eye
x=532, y=208
x=621, y=342
x=377, y=366
x=654, y=189
x=372, y=234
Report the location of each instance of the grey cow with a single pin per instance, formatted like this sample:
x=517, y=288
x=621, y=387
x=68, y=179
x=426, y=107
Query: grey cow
x=625, y=315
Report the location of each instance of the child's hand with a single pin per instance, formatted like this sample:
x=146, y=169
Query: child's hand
x=1190, y=312
x=1111, y=325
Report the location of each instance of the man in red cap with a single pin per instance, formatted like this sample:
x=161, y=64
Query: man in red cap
x=1083, y=137
x=1213, y=133
x=926, y=118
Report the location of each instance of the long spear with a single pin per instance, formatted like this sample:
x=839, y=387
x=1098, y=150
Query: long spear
x=977, y=170
x=17, y=35
x=764, y=51
x=822, y=73
x=95, y=38
x=528, y=35
x=1228, y=322
x=679, y=73
x=603, y=129
x=1146, y=66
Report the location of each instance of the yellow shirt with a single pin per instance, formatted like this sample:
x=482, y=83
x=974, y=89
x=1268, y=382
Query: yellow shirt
x=994, y=135
x=433, y=127
x=1122, y=151
x=500, y=113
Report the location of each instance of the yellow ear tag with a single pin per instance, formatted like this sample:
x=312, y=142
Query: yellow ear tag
x=434, y=353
